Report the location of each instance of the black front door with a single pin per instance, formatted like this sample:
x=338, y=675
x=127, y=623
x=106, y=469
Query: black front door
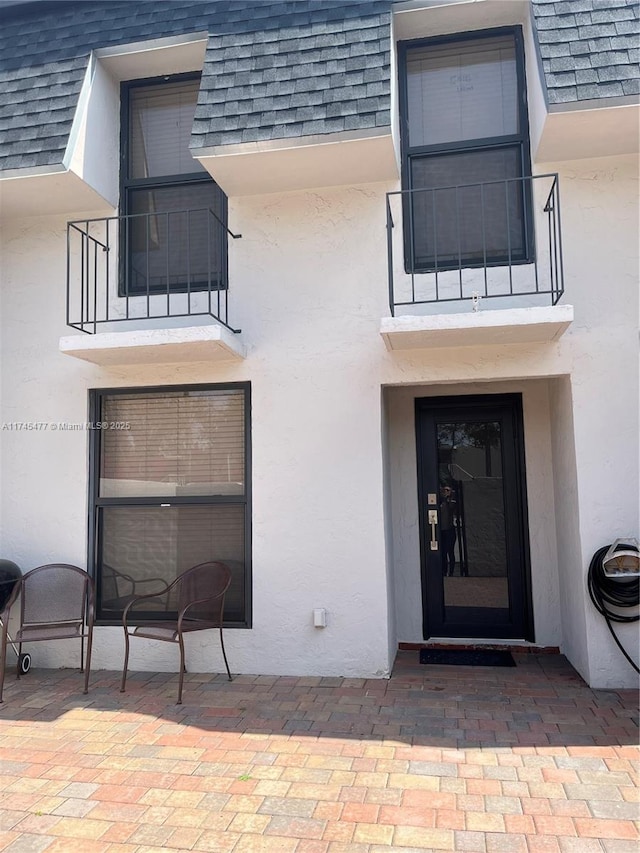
x=473, y=519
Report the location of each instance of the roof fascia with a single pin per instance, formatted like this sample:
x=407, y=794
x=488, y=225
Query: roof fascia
x=595, y=104
x=155, y=57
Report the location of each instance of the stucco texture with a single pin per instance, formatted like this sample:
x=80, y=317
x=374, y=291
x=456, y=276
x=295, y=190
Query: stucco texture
x=309, y=289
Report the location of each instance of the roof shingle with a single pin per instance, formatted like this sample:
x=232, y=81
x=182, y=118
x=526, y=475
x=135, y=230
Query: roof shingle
x=259, y=56
x=593, y=38
x=273, y=70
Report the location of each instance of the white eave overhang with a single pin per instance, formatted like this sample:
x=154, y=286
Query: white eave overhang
x=189, y=344
x=416, y=19
x=585, y=129
x=41, y=192
x=482, y=328
x=86, y=179
x=282, y=165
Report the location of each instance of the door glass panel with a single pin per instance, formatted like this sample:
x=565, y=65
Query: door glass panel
x=472, y=531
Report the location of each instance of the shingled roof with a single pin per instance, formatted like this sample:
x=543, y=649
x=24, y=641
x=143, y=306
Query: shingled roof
x=273, y=69
x=314, y=74
x=589, y=48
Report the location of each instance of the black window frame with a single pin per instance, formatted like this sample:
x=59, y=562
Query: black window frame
x=96, y=396
x=127, y=185
x=521, y=139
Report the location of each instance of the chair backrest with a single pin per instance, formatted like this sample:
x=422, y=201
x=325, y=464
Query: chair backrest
x=109, y=583
x=206, y=581
x=114, y=584
x=55, y=594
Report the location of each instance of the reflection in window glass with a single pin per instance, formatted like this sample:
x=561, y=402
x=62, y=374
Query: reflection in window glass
x=470, y=473
x=170, y=492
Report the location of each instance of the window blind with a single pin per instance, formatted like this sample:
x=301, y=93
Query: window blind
x=462, y=91
x=187, y=443
x=160, y=123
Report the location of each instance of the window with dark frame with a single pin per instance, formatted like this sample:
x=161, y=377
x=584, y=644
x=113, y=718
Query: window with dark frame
x=173, y=233
x=465, y=145
x=169, y=489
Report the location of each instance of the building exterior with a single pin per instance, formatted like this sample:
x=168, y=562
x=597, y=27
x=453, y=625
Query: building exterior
x=349, y=300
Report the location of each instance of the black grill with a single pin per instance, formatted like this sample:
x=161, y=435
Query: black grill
x=10, y=574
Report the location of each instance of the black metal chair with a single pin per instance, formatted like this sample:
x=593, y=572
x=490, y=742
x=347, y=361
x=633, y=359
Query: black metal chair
x=56, y=603
x=198, y=594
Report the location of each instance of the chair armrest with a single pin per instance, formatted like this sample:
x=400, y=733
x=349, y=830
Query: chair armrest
x=165, y=585
x=182, y=613
x=127, y=579
x=138, y=598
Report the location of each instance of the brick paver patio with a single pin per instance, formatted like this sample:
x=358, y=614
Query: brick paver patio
x=436, y=758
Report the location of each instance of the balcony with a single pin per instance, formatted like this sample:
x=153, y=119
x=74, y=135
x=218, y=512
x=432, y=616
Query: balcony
x=475, y=264
x=150, y=288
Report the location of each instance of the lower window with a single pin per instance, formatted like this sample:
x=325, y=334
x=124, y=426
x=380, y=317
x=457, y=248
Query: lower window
x=468, y=209
x=174, y=239
x=169, y=490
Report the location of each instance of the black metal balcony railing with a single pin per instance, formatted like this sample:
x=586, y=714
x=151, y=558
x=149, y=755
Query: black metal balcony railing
x=480, y=241
x=150, y=266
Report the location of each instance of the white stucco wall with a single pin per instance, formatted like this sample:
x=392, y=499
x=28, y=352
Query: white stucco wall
x=93, y=149
x=594, y=411
x=308, y=288
x=600, y=221
x=310, y=318
x=570, y=552
x=387, y=474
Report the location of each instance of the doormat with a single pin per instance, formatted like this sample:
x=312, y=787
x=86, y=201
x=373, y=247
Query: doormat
x=467, y=657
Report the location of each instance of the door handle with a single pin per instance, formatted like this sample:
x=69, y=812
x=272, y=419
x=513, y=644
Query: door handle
x=432, y=518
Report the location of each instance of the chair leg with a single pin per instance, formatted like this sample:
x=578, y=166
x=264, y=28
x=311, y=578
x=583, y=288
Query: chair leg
x=19, y=659
x=126, y=660
x=224, y=655
x=3, y=657
x=87, y=663
x=182, y=668
x=82, y=653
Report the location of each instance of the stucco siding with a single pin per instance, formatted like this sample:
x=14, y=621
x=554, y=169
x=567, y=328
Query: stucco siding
x=308, y=288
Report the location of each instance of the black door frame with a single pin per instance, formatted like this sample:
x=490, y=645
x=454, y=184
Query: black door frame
x=521, y=625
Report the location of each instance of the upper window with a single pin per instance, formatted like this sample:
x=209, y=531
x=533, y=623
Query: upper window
x=169, y=490
x=465, y=149
x=175, y=214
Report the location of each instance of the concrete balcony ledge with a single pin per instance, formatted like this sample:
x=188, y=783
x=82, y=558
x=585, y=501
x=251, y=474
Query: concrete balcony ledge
x=156, y=346
x=481, y=328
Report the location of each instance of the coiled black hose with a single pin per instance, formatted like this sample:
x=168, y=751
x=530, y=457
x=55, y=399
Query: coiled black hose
x=619, y=593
